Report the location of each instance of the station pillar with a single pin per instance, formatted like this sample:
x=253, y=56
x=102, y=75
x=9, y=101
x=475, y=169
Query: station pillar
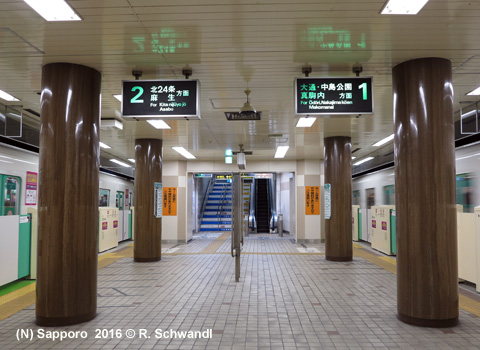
x=66, y=290
x=148, y=227
x=338, y=175
x=427, y=267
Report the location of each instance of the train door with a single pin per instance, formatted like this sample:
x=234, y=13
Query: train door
x=122, y=224
x=10, y=188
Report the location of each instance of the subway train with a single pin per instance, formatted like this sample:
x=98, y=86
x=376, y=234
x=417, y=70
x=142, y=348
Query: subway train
x=18, y=199
x=378, y=188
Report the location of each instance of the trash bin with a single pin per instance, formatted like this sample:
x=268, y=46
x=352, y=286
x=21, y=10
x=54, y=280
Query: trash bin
x=280, y=225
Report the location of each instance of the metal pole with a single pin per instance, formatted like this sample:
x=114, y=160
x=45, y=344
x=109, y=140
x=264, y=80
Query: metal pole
x=237, y=217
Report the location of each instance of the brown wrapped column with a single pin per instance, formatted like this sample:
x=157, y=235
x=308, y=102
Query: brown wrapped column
x=148, y=228
x=338, y=173
x=68, y=195
x=425, y=193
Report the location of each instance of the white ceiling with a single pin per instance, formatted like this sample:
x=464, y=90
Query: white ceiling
x=234, y=44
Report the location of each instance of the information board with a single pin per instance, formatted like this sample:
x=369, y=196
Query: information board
x=328, y=201
x=161, y=98
x=312, y=200
x=31, y=188
x=169, y=201
x=333, y=96
x=158, y=200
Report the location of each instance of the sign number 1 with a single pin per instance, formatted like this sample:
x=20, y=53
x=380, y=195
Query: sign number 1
x=135, y=98
x=364, y=87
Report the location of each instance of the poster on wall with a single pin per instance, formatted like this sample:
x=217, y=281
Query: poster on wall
x=31, y=188
x=169, y=201
x=328, y=201
x=158, y=200
x=312, y=200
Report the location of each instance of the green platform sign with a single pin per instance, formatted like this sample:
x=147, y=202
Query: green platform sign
x=161, y=98
x=333, y=96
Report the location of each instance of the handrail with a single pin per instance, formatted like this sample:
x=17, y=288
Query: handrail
x=205, y=199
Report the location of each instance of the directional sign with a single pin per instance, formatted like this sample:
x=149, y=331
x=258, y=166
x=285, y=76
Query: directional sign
x=333, y=96
x=161, y=98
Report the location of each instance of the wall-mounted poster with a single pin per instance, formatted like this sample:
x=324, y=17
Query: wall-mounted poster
x=31, y=188
x=169, y=201
x=312, y=200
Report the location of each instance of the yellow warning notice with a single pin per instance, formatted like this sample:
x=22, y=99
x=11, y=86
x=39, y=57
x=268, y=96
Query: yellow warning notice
x=312, y=200
x=169, y=201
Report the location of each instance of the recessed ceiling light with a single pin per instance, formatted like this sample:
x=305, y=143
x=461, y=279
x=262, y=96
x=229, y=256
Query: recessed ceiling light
x=184, y=152
x=384, y=141
x=474, y=92
x=305, y=122
x=158, y=124
x=7, y=97
x=120, y=163
x=363, y=161
x=281, y=151
x=403, y=7
x=354, y=158
x=54, y=10
x=118, y=97
x=228, y=160
x=131, y=160
x=103, y=145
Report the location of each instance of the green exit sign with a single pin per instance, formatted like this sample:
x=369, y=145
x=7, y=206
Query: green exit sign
x=333, y=96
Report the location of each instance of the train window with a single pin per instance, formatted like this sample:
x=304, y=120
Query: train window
x=465, y=191
x=389, y=195
x=104, y=197
x=356, y=197
x=370, y=192
x=10, y=195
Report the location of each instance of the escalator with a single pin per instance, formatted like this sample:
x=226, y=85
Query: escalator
x=262, y=206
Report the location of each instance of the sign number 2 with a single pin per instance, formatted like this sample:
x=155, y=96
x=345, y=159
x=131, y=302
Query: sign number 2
x=364, y=87
x=140, y=92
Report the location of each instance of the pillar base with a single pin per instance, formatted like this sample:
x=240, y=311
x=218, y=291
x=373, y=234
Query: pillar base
x=338, y=258
x=146, y=259
x=421, y=322
x=64, y=321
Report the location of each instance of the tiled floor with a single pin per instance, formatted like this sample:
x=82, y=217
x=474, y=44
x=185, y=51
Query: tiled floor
x=288, y=297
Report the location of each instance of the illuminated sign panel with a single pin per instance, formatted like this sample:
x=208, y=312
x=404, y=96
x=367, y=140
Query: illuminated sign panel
x=161, y=98
x=330, y=96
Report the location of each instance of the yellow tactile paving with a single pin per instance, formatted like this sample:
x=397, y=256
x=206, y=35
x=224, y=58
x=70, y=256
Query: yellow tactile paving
x=15, y=301
x=390, y=264
x=213, y=247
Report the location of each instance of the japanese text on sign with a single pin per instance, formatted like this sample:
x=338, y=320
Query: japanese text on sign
x=328, y=200
x=158, y=200
x=161, y=98
x=317, y=96
x=312, y=200
x=169, y=201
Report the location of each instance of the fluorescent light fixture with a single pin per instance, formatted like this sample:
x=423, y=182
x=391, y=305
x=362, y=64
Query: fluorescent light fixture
x=158, y=124
x=228, y=160
x=118, y=97
x=281, y=151
x=7, y=97
x=475, y=92
x=54, y=10
x=363, y=161
x=228, y=152
x=403, y=7
x=120, y=163
x=184, y=152
x=131, y=160
x=384, y=141
x=354, y=158
x=305, y=122
x=103, y=145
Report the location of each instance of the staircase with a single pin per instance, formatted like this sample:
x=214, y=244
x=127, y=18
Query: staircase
x=262, y=209
x=217, y=215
